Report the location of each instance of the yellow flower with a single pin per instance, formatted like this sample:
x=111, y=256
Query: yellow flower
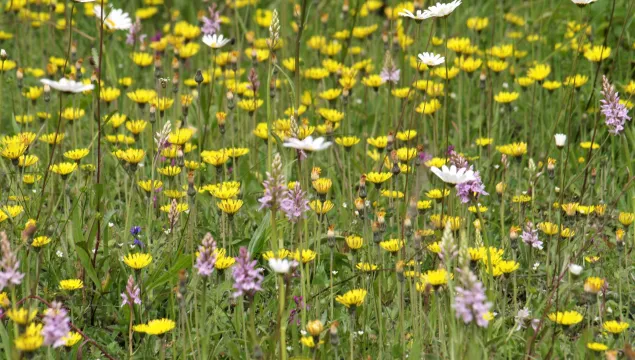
x=137, y=261
x=180, y=136
x=21, y=316
x=379, y=142
x=437, y=194
x=73, y=113
x=392, y=245
x=504, y=267
x=548, y=228
x=352, y=298
x=504, y=97
x=539, y=72
x=331, y=115
x=71, y=284
x=71, y=339
x=477, y=24
x=308, y=341
x=141, y=59
x=455, y=221
x=40, y=241
x=31, y=339
x=109, y=94
x=322, y=185
x=576, y=80
x=142, y=96
x=434, y=247
x=436, y=278
x=224, y=262
x=330, y=94
x=595, y=346
x=230, y=206
x=320, y=207
x=64, y=169
x=566, y=318
x=169, y=170
x=587, y=145
x=551, y=85
x=158, y=327
x=347, y=141
x=497, y=65
x=33, y=92
x=13, y=150
x=76, y=154
x=626, y=218
x=406, y=135
x=354, y=242
x=429, y=107
x=281, y=254
x=163, y=103
x=146, y=185
x=514, y=149
x=224, y=192
x=593, y=284
x=366, y=267
x=136, y=126
x=615, y=327
x=304, y=256
x=52, y=138
x=597, y=53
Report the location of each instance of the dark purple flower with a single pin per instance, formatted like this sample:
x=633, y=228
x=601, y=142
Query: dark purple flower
x=471, y=302
x=206, y=258
x=135, y=231
x=9, y=265
x=132, y=294
x=469, y=190
x=56, y=325
x=615, y=113
x=299, y=307
x=211, y=24
x=247, y=279
x=294, y=203
x=157, y=36
x=530, y=236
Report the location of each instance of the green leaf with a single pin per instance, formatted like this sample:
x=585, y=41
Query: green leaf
x=84, y=259
x=183, y=262
x=258, y=238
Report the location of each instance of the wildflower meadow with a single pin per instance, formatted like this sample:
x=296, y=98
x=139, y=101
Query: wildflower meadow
x=317, y=179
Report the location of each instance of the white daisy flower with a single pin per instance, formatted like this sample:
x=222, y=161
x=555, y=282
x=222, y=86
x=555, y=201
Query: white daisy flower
x=431, y=59
x=441, y=10
x=308, y=144
x=561, y=140
x=215, y=41
x=68, y=86
x=452, y=175
x=419, y=15
x=116, y=19
x=282, y=266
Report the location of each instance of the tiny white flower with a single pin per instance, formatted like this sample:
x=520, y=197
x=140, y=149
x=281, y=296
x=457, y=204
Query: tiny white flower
x=561, y=140
x=360, y=332
x=289, y=348
x=344, y=205
x=334, y=272
x=303, y=332
x=505, y=85
x=452, y=175
x=308, y=144
x=215, y=41
x=111, y=224
x=441, y=10
x=84, y=1
x=3, y=54
x=536, y=265
x=575, y=269
x=34, y=191
x=453, y=95
x=282, y=266
x=59, y=253
x=431, y=59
